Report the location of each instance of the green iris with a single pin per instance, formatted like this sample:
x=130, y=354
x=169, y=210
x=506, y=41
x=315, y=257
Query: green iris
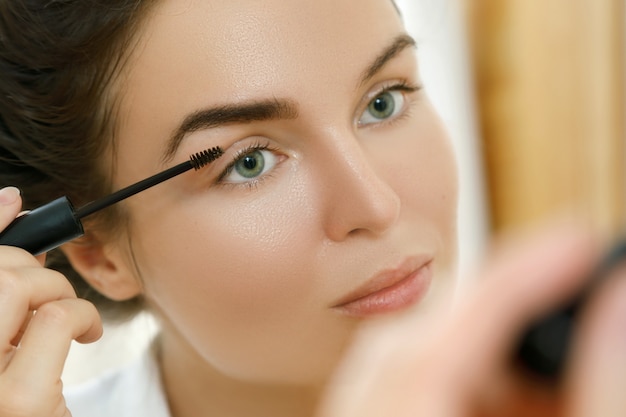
x=382, y=106
x=250, y=165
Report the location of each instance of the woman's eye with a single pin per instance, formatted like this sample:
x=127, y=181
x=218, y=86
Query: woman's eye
x=384, y=106
x=251, y=165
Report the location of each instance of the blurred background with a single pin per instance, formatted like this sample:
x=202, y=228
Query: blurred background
x=532, y=93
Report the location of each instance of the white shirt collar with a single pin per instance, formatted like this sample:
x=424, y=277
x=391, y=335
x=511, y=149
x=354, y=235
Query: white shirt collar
x=133, y=391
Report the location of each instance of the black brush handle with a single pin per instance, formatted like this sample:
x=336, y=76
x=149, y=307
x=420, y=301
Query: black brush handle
x=44, y=228
x=51, y=225
x=544, y=346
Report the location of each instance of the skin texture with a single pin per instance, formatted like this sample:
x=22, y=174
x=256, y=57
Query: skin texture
x=244, y=276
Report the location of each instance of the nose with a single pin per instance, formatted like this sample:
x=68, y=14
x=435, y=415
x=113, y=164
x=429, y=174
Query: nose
x=357, y=200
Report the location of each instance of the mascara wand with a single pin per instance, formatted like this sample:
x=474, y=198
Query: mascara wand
x=57, y=222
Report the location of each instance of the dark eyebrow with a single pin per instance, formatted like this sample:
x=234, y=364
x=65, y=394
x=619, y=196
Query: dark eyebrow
x=254, y=111
x=399, y=44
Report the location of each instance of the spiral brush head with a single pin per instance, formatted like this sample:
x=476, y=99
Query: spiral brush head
x=200, y=159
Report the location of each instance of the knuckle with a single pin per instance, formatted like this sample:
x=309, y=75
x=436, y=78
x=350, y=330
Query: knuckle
x=88, y=310
x=17, y=255
x=54, y=314
x=92, y=310
x=68, y=317
x=64, y=282
x=11, y=283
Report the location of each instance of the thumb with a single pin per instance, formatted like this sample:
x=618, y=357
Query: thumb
x=10, y=205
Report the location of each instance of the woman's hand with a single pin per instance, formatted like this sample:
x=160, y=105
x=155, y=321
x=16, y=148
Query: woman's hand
x=39, y=317
x=456, y=362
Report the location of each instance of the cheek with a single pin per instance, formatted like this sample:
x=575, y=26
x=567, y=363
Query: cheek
x=239, y=251
x=420, y=165
x=435, y=190
x=232, y=270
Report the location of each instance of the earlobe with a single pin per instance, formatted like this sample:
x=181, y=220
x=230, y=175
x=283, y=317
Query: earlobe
x=103, y=266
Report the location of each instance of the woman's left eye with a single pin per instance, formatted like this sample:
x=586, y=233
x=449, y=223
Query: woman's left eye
x=384, y=106
x=250, y=166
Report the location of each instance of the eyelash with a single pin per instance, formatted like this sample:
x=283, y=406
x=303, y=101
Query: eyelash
x=256, y=146
x=402, y=86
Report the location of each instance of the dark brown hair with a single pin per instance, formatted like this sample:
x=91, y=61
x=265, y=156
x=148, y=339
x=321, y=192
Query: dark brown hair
x=58, y=62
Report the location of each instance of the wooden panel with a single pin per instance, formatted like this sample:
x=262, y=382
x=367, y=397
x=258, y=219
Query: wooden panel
x=550, y=85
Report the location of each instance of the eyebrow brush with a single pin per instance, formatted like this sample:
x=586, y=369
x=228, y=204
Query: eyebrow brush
x=57, y=222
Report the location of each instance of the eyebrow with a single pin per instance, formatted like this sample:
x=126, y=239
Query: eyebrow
x=212, y=117
x=399, y=44
x=264, y=110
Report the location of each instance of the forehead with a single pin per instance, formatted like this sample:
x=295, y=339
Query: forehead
x=251, y=40
x=195, y=53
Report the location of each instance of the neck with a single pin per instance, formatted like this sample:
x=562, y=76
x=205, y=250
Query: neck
x=196, y=389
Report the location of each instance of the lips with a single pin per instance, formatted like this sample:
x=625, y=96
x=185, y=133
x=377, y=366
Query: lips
x=391, y=290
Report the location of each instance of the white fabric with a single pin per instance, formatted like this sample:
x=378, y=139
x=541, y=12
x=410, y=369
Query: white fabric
x=132, y=391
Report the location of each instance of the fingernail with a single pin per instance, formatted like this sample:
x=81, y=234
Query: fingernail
x=8, y=195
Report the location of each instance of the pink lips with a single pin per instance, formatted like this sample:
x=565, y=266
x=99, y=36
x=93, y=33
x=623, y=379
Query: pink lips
x=389, y=291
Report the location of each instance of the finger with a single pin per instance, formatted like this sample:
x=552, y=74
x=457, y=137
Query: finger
x=21, y=292
x=598, y=375
x=11, y=256
x=523, y=282
x=14, y=256
x=10, y=204
x=18, y=337
x=39, y=360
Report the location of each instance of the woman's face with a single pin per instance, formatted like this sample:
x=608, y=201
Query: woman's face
x=337, y=179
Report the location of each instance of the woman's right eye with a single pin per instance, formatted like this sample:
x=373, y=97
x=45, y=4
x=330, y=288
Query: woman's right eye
x=249, y=166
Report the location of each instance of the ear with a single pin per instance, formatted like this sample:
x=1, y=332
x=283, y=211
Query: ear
x=104, y=266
